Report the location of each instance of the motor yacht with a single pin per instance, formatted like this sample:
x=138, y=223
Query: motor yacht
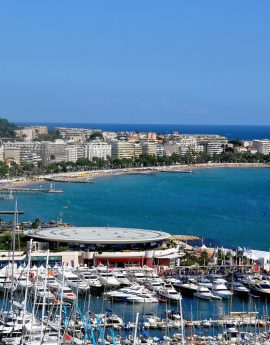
x=169, y=293
x=221, y=291
x=91, y=278
x=108, y=279
x=133, y=294
x=138, y=277
x=203, y=292
x=121, y=277
x=238, y=289
x=73, y=281
x=261, y=288
x=186, y=287
x=153, y=285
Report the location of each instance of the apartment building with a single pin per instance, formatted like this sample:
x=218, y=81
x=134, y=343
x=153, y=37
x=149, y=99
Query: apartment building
x=137, y=150
x=22, y=152
x=149, y=148
x=262, y=146
x=53, y=152
x=122, y=149
x=75, y=152
x=215, y=147
x=98, y=149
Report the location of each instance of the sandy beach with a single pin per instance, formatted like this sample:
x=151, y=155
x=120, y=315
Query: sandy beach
x=91, y=175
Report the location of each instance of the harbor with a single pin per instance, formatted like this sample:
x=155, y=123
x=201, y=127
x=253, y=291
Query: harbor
x=55, y=294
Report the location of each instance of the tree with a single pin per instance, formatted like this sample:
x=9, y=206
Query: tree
x=96, y=135
x=236, y=142
x=7, y=129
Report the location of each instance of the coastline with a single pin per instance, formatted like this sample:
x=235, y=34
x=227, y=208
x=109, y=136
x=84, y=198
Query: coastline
x=93, y=174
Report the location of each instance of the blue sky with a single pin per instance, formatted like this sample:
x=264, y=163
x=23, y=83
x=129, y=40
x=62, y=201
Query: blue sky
x=193, y=62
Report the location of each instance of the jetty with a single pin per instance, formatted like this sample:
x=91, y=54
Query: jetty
x=11, y=212
x=30, y=190
x=68, y=180
x=184, y=238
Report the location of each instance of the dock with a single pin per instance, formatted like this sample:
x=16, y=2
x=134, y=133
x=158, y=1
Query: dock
x=31, y=190
x=184, y=238
x=70, y=180
x=11, y=212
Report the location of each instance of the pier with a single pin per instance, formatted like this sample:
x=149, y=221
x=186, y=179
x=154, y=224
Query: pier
x=30, y=190
x=11, y=212
x=184, y=238
x=68, y=180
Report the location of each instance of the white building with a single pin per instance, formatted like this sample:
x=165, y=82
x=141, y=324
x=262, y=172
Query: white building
x=98, y=149
x=215, y=147
x=262, y=146
x=75, y=152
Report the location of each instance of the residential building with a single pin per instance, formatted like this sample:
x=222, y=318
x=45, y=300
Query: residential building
x=53, y=152
x=22, y=152
x=137, y=150
x=149, y=148
x=122, y=149
x=98, y=149
x=262, y=146
x=160, y=150
x=191, y=148
x=75, y=152
x=215, y=147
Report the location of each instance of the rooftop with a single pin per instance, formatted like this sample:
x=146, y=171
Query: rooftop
x=99, y=235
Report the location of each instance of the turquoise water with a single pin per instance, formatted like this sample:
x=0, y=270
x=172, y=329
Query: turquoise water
x=230, y=206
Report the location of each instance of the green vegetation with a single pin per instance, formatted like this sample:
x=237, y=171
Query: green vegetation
x=236, y=142
x=7, y=129
x=96, y=135
x=51, y=136
x=229, y=156
x=6, y=241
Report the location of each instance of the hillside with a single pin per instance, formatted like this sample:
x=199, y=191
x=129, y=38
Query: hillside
x=7, y=129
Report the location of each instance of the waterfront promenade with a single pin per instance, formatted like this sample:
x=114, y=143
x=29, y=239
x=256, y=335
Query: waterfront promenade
x=92, y=174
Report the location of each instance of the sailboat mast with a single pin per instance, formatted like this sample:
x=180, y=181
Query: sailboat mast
x=13, y=254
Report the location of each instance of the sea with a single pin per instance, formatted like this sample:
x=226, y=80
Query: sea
x=246, y=132
x=228, y=207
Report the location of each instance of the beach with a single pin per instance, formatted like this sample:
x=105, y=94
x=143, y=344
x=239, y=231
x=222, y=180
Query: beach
x=93, y=174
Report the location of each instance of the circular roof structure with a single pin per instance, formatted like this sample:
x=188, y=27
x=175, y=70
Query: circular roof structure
x=99, y=235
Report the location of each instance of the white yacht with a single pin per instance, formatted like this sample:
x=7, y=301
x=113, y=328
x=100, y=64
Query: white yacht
x=204, y=282
x=168, y=292
x=108, y=279
x=261, y=288
x=73, y=281
x=133, y=294
x=153, y=285
x=91, y=278
x=221, y=290
x=121, y=277
x=186, y=287
x=238, y=288
x=203, y=292
x=138, y=277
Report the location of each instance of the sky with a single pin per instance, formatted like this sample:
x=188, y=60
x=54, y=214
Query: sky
x=178, y=62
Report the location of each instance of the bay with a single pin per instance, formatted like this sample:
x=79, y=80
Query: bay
x=228, y=206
